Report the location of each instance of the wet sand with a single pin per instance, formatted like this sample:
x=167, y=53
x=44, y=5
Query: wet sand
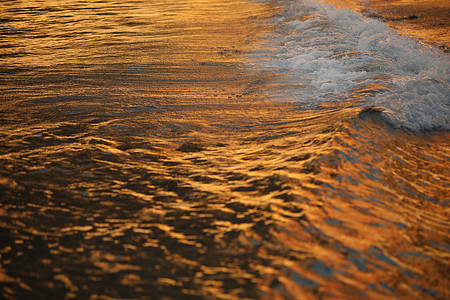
x=426, y=20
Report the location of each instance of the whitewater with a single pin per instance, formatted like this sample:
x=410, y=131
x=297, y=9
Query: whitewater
x=336, y=55
x=198, y=149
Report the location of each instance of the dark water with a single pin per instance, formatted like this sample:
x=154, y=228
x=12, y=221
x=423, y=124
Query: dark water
x=219, y=149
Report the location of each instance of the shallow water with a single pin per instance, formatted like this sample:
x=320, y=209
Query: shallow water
x=220, y=149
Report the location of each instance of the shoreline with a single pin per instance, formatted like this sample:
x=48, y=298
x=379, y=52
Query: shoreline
x=424, y=20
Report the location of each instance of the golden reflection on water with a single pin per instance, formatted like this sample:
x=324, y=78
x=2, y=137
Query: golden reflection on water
x=139, y=158
x=148, y=50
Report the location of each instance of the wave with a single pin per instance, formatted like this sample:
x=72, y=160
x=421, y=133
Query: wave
x=326, y=54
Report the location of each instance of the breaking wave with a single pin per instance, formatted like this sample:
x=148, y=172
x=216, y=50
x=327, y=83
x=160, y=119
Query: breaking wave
x=326, y=54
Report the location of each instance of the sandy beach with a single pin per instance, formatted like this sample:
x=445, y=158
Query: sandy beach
x=426, y=20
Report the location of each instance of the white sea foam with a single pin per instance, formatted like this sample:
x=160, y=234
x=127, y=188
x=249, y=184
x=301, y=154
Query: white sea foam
x=330, y=54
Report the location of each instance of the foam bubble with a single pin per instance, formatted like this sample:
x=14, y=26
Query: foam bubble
x=339, y=54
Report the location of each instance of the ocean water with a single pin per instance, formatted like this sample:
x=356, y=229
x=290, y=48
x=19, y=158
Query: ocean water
x=220, y=150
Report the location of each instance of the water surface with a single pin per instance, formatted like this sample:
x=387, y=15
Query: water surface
x=219, y=149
